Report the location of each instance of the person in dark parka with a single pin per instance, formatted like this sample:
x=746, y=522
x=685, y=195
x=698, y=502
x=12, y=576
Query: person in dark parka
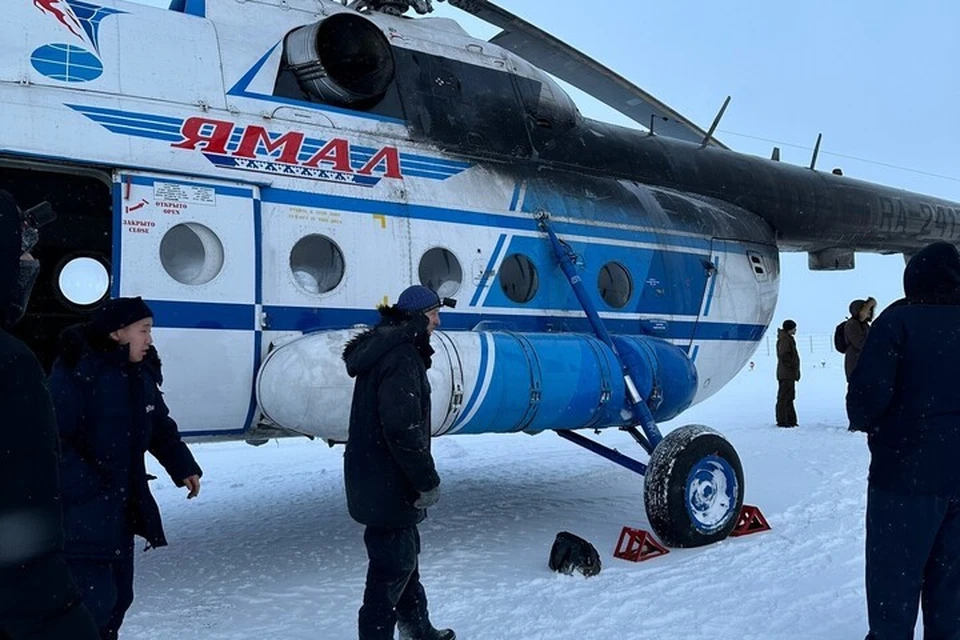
x=855, y=332
x=39, y=599
x=903, y=394
x=389, y=472
x=788, y=374
x=110, y=410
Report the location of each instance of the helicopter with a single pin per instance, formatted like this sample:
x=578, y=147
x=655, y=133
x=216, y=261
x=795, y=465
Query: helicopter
x=287, y=165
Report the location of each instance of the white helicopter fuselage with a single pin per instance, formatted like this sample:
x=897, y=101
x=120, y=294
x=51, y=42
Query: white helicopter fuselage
x=265, y=229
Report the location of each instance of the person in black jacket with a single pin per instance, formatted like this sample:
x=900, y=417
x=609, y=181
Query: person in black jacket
x=110, y=410
x=389, y=473
x=903, y=394
x=38, y=597
x=788, y=374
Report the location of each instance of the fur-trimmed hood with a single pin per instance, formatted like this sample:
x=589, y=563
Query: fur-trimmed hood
x=395, y=328
x=857, y=305
x=84, y=350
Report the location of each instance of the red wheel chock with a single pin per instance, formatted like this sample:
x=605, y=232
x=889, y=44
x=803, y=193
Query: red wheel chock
x=638, y=545
x=751, y=521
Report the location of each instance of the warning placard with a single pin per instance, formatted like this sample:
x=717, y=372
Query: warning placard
x=194, y=194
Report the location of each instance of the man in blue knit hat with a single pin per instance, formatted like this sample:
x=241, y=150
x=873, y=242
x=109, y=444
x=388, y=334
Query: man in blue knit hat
x=389, y=472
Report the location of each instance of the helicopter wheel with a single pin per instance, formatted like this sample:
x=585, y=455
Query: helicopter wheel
x=693, y=487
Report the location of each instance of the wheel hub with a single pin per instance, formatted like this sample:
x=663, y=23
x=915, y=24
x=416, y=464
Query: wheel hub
x=711, y=493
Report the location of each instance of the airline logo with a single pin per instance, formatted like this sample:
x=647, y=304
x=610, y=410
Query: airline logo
x=68, y=61
x=291, y=153
x=82, y=19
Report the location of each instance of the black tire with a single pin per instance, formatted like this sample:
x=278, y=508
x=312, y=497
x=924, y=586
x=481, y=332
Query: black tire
x=687, y=489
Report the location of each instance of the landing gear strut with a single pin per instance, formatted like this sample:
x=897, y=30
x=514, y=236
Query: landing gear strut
x=693, y=486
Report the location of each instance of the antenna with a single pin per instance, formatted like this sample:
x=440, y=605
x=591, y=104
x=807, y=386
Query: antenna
x=816, y=151
x=775, y=156
x=716, y=121
x=653, y=118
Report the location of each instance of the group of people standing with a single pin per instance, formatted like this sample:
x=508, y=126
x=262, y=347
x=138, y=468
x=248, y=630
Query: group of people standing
x=73, y=483
x=849, y=339
x=901, y=371
x=74, y=486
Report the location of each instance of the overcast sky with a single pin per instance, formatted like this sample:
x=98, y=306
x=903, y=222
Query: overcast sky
x=877, y=78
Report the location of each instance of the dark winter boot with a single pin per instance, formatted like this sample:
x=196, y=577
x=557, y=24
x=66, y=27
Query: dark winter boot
x=431, y=634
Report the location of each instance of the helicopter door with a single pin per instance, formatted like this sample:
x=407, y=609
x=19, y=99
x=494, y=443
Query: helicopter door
x=186, y=245
x=738, y=301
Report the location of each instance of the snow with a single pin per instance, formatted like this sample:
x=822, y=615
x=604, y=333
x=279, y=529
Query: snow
x=269, y=551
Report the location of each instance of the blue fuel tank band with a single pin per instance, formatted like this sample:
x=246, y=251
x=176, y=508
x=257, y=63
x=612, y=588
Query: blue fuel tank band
x=549, y=381
x=663, y=373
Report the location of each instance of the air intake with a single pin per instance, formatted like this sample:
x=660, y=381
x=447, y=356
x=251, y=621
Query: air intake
x=343, y=60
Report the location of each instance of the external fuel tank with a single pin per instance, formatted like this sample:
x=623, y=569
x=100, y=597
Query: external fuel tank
x=485, y=381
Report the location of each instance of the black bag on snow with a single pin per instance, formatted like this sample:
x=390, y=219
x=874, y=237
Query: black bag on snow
x=572, y=553
x=840, y=337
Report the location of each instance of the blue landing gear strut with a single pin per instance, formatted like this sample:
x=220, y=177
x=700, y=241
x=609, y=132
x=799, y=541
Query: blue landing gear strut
x=641, y=414
x=610, y=454
x=693, y=483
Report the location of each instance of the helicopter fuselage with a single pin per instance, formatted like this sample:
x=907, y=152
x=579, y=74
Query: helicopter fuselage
x=253, y=197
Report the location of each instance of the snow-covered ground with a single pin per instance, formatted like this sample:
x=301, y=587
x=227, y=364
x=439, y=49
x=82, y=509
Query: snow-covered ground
x=268, y=550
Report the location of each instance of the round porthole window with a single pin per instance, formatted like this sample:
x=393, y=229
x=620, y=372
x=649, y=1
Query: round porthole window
x=615, y=284
x=317, y=264
x=83, y=281
x=518, y=278
x=191, y=253
x=440, y=270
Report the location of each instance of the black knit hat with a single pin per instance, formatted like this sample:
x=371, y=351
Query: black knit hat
x=789, y=325
x=119, y=313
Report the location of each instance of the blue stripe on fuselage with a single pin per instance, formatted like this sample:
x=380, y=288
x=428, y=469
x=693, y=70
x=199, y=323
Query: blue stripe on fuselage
x=207, y=315
x=203, y=315
x=488, y=272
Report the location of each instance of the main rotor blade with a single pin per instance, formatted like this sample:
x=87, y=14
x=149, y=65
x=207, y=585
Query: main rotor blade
x=563, y=61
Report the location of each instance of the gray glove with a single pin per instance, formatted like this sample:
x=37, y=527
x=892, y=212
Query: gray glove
x=428, y=498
